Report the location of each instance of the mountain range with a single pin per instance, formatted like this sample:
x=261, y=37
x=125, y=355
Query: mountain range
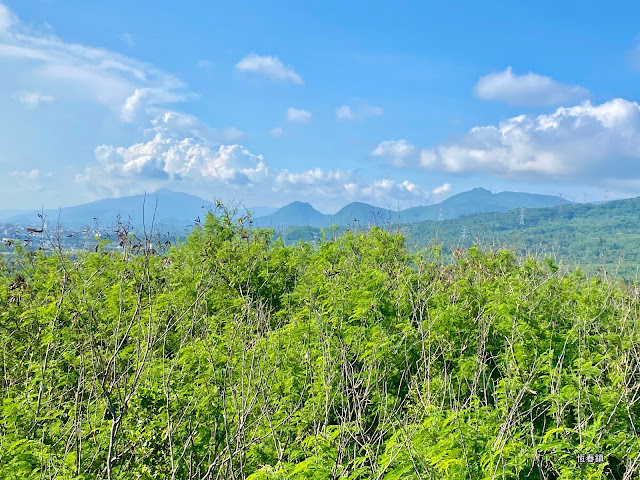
x=164, y=207
x=585, y=235
x=473, y=201
x=179, y=210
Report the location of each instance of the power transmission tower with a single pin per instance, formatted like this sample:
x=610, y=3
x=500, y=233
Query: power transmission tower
x=560, y=201
x=465, y=231
x=441, y=216
x=522, y=216
x=606, y=196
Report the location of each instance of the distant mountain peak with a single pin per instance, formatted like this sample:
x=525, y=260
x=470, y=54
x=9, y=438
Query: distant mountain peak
x=481, y=190
x=295, y=213
x=299, y=204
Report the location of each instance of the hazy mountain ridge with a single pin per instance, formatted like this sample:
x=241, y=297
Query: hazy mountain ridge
x=11, y=212
x=478, y=200
x=163, y=207
x=180, y=210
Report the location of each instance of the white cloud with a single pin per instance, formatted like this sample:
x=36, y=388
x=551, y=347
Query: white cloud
x=194, y=161
x=298, y=116
x=32, y=99
x=345, y=112
x=127, y=38
x=165, y=159
x=314, y=177
x=269, y=66
x=385, y=190
x=33, y=174
x=444, y=188
x=79, y=72
x=529, y=89
x=132, y=104
x=276, y=132
x=399, y=152
x=594, y=143
x=178, y=150
x=344, y=185
x=162, y=159
x=29, y=179
x=181, y=125
x=312, y=183
x=7, y=18
x=427, y=158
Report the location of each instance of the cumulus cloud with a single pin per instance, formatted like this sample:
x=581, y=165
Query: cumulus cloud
x=384, y=189
x=271, y=67
x=164, y=159
x=32, y=99
x=177, y=149
x=180, y=151
x=181, y=125
x=345, y=185
x=584, y=142
x=298, y=116
x=345, y=112
x=398, y=152
x=529, y=89
x=444, y=188
x=276, y=132
x=312, y=183
x=119, y=169
x=314, y=176
x=82, y=72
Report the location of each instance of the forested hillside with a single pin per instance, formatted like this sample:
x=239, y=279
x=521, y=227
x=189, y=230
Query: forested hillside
x=580, y=235
x=233, y=355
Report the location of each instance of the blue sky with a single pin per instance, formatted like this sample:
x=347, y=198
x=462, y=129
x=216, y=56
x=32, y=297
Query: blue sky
x=328, y=102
